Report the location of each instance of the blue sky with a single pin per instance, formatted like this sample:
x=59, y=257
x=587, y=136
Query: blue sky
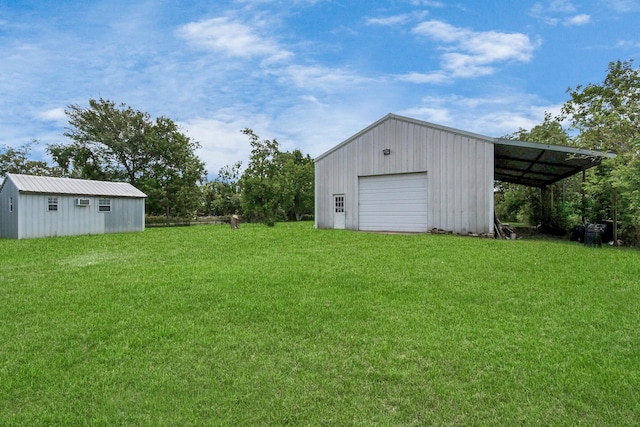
x=310, y=73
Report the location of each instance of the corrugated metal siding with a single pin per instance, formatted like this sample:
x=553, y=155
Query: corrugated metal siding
x=459, y=167
x=9, y=220
x=37, y=221
x=126, y=215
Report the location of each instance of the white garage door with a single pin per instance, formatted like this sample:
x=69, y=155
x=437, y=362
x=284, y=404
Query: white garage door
x=393, y=202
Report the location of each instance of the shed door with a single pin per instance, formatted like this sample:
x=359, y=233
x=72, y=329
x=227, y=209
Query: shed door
x=393, y=202
x=339, y=219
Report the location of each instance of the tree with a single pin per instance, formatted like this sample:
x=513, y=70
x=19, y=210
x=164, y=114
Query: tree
x=276, y=183
x=297, y=183
x=16, y=160
x=118, y=143
x=222, y=195
x=607, y=117
x=261, y=188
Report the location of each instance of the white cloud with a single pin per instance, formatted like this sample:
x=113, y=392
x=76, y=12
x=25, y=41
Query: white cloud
x=232, y=38
x=440, y=116
x=564, y=6
x=493, y=116
x=221, y=140
x=552, y=13
x=626, y=44
x=581, y=19
x=473, y=53
x=623, y=6
x=53, y=115
x=394, y=20
x=429, y=3
x=556, y=6
x=420, y=78
x=319, y=77
x=389, y=20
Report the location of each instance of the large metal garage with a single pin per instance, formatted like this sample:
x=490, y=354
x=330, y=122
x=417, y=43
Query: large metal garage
x=393, y=202
x=403, y=174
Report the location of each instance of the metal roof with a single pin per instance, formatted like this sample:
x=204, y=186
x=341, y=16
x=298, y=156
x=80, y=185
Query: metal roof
x=84, y=187
x=539, y=165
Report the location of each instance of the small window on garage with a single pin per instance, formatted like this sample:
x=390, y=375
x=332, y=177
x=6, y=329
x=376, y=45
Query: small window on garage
x=339, y=204
x=10, y=204
x=52, y=204
x=104, y=205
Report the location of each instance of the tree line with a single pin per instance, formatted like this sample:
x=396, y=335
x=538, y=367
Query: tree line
x=112, y=142
x=117, y=143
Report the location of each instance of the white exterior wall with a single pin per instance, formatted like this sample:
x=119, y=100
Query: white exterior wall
x=459, y=168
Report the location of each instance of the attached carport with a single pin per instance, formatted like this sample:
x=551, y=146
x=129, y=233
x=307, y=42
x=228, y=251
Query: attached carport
x=540, y=165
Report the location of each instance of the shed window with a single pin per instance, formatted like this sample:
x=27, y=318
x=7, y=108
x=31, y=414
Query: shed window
x=104, y=205
x=339, y=204
x=53, y=204
x=10, y=204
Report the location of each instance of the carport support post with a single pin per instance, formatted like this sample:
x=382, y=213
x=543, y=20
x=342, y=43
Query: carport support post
x=543, y=197
x=614, y=197
x=584, y=178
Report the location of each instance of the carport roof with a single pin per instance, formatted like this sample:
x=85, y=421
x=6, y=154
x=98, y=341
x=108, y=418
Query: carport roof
x=539, y=165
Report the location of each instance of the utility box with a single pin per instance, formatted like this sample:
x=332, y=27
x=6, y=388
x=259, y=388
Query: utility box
x=593, y=235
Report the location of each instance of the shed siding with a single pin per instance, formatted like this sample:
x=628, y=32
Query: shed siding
x=459, y=167
x=126, y=215
x=9, y=220
x=35, y=220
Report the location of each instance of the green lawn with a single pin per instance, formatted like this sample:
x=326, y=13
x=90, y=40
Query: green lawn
x=290, y=325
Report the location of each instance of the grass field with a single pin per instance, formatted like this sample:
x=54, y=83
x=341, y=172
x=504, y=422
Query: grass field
x=290, y=325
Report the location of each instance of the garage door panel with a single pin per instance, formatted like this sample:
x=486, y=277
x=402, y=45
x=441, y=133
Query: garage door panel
x=393, y=202
x=392, y=208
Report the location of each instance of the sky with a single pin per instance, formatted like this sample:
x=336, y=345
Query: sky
x=308, y=73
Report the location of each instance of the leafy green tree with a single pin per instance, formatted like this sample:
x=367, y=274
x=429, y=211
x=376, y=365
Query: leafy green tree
x=607, y=117
x=261, y=188
x=118, y=143
x=296, y=183
x=222, y=195
x=276, y=184
x=16, y=160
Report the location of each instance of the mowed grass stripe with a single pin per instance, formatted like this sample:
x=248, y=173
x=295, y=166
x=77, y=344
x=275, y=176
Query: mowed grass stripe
x=291, y=325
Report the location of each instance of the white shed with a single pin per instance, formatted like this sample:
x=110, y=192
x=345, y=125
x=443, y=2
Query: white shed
x=402, y=174
x=39, y=206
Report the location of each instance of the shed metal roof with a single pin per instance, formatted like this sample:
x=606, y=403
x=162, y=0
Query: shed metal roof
x=520, y=162
x=84, y=187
